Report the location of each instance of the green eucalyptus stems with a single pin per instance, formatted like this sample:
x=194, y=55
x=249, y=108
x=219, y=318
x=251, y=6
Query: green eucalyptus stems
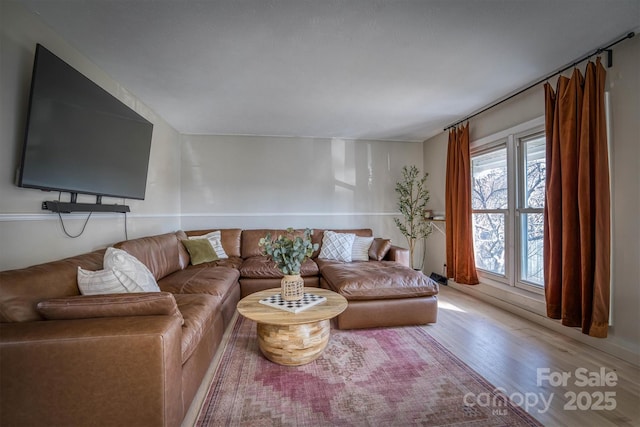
x=412, y=204
x=288, y=251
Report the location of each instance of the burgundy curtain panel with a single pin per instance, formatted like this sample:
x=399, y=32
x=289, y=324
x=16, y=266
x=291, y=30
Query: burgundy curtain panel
x=461, y=265
x=577, y=208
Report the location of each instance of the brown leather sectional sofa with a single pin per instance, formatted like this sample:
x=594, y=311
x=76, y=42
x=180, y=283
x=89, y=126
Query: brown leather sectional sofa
x=138, y=359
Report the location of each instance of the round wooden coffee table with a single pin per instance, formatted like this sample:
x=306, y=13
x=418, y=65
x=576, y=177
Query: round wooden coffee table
x=292, y=338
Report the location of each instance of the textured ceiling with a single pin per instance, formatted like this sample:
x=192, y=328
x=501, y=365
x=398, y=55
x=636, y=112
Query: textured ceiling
x=374, y=69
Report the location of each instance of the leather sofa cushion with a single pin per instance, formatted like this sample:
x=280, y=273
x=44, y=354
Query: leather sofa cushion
x=162, y=254
x=213, y=280
x=229, y=237
x=199, y=312
x=261, y=267
x=373, y=280
x=249, y=286
x=386, y=313
x=22, y=289
x=231, y=262
x=113, y=305
x=251, y=240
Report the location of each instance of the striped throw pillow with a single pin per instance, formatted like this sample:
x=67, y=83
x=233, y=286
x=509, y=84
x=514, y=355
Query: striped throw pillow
x=108, y=281
x=360, y=249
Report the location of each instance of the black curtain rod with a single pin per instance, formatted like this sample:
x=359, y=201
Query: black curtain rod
x=573, y=64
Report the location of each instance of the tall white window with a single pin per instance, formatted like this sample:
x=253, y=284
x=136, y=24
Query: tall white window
x=508, y=182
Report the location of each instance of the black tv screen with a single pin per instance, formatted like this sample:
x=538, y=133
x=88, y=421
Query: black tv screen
x=79, y=138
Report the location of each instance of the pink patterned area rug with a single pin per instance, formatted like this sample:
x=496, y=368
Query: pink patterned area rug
x=369, y=377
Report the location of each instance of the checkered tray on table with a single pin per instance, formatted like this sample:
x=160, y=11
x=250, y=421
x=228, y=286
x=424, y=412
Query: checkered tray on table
x=307, y=301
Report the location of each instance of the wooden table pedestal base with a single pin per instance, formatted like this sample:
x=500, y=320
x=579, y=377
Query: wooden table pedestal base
x=293, y=345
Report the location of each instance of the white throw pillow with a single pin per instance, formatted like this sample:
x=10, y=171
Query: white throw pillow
x=215, y=239
x=360, y=250
x=337, y=246
x=132, y=267
x=109, y=281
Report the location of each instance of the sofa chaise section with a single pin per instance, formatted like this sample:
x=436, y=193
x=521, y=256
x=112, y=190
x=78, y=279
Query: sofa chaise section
x=383, y=291
x=380, y=293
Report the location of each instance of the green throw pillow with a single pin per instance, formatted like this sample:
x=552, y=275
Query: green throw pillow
x=200, y=251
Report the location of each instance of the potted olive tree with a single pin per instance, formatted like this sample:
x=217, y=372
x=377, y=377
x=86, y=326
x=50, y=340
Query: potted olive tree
x=289, y=252
x=412, y=201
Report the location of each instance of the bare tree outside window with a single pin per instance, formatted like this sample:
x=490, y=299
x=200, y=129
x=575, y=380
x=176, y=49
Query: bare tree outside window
x=500, y=179
x=489, y=201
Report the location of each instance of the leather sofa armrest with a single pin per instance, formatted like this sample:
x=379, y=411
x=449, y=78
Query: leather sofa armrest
x=118, y=370
x=110, y=305
x=398, y=254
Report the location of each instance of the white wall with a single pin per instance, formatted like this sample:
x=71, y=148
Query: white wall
x=248, y=182
x=256, y=182
x=30, y=235
x=624, y=87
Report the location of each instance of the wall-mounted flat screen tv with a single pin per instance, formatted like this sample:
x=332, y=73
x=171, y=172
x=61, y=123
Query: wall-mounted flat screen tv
x=79, y=138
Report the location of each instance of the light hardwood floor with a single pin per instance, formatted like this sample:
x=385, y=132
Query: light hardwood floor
x=509, y=351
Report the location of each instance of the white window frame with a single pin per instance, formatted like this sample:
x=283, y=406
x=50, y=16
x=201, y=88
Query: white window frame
x=511, y=139
x=520, y=209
